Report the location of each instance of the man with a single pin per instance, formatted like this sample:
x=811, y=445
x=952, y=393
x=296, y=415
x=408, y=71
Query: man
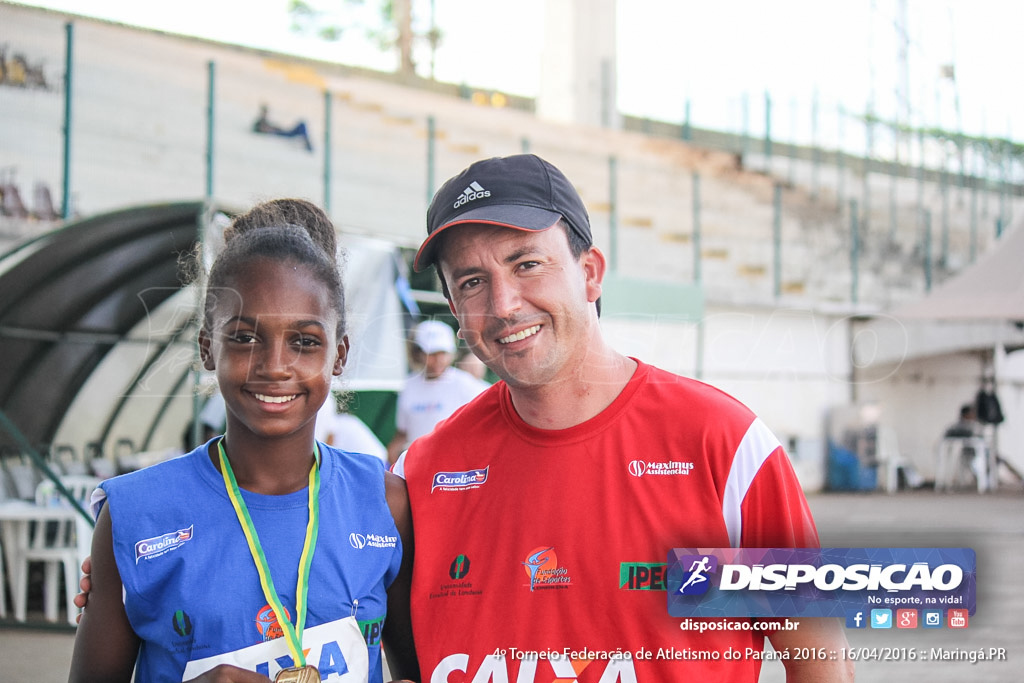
x=434, y=393
x=526, y=508
x=967, y=425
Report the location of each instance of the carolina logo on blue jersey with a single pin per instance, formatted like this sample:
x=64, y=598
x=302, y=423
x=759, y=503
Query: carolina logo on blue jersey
x=148, y=548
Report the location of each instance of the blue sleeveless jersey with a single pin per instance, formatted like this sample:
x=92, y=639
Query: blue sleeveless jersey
x=192, y=592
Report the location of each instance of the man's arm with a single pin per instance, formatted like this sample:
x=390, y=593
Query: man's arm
x=776, y=514
x=105, y=645
x=820, y=634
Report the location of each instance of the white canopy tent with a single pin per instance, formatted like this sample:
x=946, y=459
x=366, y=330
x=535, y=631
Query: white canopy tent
x=992, y=288
x=920, y=361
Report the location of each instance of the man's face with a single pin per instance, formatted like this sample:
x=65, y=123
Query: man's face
x=436, y=363
x=525, y=306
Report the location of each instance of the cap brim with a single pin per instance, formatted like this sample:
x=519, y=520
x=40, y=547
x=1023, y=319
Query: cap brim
x=512, y=216
x=436, y=349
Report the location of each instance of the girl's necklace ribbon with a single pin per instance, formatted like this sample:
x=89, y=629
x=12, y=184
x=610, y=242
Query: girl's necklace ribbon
x=293, y=635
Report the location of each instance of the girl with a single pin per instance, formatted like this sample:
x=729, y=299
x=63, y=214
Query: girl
x=261, y=554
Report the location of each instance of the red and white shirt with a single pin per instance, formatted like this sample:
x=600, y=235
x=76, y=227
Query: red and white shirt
x=540, y=554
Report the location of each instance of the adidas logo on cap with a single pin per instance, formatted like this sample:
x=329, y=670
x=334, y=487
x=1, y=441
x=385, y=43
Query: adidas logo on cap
x=474, y=191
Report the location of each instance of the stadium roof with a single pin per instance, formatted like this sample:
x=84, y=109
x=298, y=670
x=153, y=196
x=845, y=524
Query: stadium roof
x=72, y=296
x=97, y=328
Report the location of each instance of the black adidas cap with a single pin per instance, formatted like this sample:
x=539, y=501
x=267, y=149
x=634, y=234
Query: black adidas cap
x=522, y=192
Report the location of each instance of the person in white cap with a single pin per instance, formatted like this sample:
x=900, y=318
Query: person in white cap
x=434, y=393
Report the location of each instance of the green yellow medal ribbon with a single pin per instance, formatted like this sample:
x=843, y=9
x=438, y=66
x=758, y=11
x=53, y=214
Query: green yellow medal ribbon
x=293, y=635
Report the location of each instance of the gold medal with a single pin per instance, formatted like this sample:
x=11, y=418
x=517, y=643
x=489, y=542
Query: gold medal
x=298, y=674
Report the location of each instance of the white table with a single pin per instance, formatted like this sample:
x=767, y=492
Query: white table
x=16, y=520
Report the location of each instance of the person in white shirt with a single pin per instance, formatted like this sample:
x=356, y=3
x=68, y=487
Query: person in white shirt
x=346, y=432
x=435, y=392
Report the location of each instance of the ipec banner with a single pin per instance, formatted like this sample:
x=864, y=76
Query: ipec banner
x=817, y=582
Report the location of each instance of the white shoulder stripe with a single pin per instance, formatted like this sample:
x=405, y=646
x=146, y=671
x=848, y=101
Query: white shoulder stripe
x=96, y=501
x=757, y=444
x=399, y=467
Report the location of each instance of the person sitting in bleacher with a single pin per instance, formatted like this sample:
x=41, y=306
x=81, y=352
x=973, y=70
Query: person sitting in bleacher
x=263, y=125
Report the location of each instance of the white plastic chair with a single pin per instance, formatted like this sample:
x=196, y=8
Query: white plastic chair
x=57, y=544
x=24, y=478
x=5, y=496
x=951, y=462
x=65, y=458
x=890, y=460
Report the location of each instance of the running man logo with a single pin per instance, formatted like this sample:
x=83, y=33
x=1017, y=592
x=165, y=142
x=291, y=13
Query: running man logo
x=695, y=579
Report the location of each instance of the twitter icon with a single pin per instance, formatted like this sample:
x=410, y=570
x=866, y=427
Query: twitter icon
x=881, y=618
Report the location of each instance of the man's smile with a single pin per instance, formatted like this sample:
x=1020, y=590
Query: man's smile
x=520, y=335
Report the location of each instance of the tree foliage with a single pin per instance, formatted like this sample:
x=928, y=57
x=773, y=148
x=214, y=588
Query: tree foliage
x=392, y=30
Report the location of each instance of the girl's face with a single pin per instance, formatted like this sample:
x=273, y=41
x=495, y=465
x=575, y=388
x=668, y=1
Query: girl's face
x=273, y=344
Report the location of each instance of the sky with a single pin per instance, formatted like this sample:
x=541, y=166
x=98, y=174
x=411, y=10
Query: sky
x=718, y=56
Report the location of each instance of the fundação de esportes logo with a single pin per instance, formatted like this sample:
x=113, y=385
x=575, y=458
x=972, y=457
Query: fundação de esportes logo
x=541, y=565
x=813, y=582
x=268, y=625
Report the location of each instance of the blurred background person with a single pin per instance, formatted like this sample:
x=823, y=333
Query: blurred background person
x=337, y=427
x=433, y=393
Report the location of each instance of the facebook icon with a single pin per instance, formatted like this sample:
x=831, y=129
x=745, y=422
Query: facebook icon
x=856, y=619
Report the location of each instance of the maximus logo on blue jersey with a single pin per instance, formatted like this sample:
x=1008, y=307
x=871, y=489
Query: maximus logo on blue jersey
x=459, y=481
x=148, y=548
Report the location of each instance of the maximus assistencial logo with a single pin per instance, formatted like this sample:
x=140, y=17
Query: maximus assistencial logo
x=652, y=468
x=817, y=582
x=360, y=541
